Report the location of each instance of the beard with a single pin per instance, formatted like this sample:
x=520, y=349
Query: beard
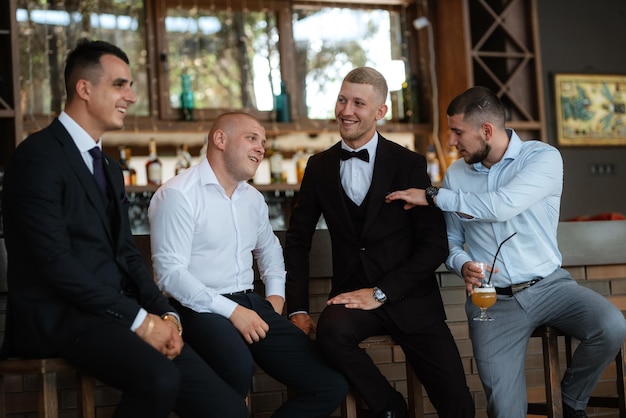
x=479, y=155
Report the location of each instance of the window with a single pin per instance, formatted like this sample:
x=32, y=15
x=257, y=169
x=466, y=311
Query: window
x=194, y=59
x=221, y=59
x=330, y=41
x=48, y=30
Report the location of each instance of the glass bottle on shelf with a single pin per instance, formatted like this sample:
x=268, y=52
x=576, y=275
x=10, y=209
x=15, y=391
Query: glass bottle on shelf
x=276, y=164
x=133, y=172
x=124, y=166
x=186, y=97
x=154, y=168
x=202, y=153
x=283, y=112
x=183, y=159
x=301, y=159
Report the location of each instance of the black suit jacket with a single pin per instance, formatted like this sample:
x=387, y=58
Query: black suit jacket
x=69, y=266
x=398, y=250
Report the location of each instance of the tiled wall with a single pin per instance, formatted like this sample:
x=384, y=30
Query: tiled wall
x=593, y=252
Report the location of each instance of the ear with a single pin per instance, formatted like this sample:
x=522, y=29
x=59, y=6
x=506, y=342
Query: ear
x=83, y=89
x=381, y=112
x=487, y=130
x=219, y=139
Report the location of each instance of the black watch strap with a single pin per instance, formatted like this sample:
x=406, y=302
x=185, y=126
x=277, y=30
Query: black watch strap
x=431, y=192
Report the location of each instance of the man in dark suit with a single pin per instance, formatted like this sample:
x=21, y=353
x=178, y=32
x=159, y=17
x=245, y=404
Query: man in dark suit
x=78, y=287
x=384, y=258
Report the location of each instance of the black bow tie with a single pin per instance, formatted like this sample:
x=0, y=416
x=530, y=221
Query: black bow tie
x=361, y=155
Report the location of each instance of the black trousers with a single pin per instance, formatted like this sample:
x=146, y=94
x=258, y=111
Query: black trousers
x=286, y=354
x=432, y=353
x=152, y=385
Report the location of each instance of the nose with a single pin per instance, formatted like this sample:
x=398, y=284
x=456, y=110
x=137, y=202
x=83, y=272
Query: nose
x=452, y=140
x=131, y=96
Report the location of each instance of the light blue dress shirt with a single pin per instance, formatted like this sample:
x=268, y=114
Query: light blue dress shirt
x=522, y=194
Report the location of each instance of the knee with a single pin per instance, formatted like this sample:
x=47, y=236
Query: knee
x=165, y=381
x=615, y=328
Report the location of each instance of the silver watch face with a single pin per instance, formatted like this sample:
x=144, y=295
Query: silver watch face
x=379, y=295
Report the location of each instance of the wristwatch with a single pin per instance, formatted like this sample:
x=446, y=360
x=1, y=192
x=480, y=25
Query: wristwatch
x=379, y=295
x=431, y=192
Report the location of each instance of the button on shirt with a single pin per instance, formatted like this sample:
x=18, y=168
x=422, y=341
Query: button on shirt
x=521, y=193
x=356, y=175
x=203, y=241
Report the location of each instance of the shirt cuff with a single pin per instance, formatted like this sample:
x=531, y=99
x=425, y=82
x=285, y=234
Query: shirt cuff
x=141, y=315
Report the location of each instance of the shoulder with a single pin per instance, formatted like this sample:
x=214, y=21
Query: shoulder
x=536, y=147
x=398, y=152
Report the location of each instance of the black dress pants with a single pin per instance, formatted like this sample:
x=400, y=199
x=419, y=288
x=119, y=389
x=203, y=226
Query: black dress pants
x=151, y=384
x=431, y=352
x=286, y=354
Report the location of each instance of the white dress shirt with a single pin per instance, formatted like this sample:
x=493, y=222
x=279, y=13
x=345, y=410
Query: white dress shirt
x=356, y=175
x=203, y=242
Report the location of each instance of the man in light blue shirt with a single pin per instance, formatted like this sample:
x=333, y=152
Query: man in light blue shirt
x=506, y=188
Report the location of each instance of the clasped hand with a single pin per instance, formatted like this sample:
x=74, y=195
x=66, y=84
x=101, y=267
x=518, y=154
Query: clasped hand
x=162, y=335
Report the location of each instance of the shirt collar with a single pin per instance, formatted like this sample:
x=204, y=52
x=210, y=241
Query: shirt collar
x=84, y=142
x=370, y=146
x=512, y=150
x=207, y=175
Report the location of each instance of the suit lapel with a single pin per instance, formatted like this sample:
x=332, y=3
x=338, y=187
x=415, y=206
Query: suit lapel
x=337, y=192
x=384, y=171
x=84, y=176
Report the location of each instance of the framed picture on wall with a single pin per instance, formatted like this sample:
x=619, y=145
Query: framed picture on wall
x=590, y=109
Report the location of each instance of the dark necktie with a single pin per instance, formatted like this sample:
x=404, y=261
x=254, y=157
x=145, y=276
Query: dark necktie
x=98, y=169
x=361, y=155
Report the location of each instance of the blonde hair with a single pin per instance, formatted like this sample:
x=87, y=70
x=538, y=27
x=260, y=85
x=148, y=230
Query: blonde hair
x=368, y=75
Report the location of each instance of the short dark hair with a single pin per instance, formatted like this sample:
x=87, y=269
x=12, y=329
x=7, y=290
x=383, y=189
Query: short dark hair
x=478, y=105
x=83, y=62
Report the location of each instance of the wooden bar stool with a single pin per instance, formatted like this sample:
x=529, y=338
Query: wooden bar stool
x=48, y=397
x=614, y=402
x=414, y=387
x=553, y=407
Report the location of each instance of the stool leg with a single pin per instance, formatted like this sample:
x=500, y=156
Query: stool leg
x=85, y=395
x=48, y=400
x=348, y=409
x=620, y=366
x=414, y=391
x=3, y=411
x=552, y=376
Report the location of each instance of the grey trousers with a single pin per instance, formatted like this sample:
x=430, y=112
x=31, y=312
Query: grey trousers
x=557, y=300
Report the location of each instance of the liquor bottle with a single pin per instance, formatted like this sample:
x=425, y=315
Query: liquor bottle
x=186, y=97
x=154, y=168
x=205, y=145
x=124, y=166
x=301, y=158
x=183, y=159
x=283, y=111
x=276, y=164
x=133, y=172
